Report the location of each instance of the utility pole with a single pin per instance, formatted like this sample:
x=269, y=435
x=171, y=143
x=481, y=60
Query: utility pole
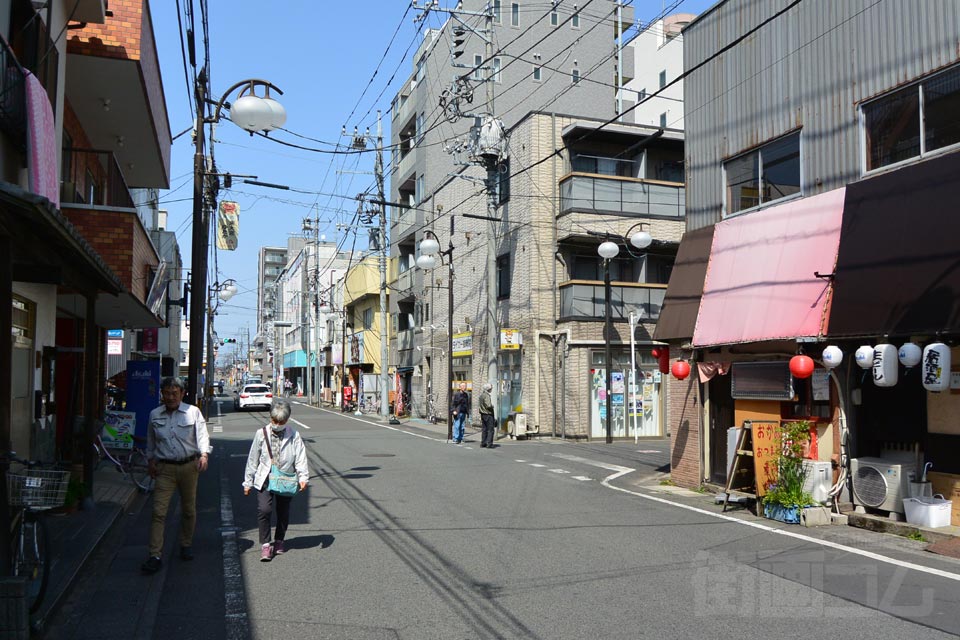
x=384, y=346
x=305, y=314
x=198, y=261
x=493, y=168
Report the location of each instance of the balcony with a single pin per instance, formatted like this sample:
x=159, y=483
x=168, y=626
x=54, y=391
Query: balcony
x=13, y=116
x=407, y=220
x=405, y=282
x=584, y=300
x=406, y=339
x=92, y=177
x=593, y=193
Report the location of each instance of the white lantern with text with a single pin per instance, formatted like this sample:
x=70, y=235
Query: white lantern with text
x=935, y=367
x=832, y=357
x=886, y=366
x=864, y=357
x=910, y=355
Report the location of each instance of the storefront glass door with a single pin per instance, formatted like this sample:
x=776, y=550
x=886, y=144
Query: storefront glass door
x=639, y=417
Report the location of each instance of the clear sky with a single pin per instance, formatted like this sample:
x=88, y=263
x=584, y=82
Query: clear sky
x=322, y=54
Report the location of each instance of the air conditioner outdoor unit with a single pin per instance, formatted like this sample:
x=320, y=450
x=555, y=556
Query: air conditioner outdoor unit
x=879, y=483
x=818, y=478
x=520, y=423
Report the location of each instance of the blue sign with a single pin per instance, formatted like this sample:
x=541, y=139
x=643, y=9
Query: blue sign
x=114, y=333
x=143, y=391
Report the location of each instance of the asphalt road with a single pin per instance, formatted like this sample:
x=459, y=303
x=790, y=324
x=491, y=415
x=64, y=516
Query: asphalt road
x=403, y=535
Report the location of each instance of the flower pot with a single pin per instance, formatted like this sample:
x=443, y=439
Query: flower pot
x=780, y=513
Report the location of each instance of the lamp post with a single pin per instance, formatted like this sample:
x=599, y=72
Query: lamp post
x=252, y=113
x=430, y=247
x=609, y=250
x=218, y=292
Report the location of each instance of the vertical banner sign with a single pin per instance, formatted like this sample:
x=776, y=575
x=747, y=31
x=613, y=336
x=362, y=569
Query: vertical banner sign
x=150, y=340
x=228, y=225
x=143, y=391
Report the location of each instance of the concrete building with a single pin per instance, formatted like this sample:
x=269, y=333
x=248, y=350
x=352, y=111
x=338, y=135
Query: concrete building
x=822, y=168
x=568, y=49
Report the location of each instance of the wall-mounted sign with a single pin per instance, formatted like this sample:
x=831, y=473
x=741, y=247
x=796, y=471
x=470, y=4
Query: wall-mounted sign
x=114, y=347
x=114, y=333
x=355, y=351
x=462, y=345
x=150, y=340
x=510, y=339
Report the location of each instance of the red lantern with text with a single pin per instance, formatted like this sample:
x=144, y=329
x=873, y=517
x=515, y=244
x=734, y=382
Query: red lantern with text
x=801, y=366
x=681, y=369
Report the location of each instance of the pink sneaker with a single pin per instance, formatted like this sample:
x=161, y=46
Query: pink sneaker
x=266, y=552
x=278, y=547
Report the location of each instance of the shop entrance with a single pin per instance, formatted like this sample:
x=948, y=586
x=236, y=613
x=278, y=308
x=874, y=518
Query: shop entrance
x=511, y=387
x=639, y=417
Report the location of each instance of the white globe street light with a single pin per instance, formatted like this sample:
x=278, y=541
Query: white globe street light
x=608, y=250
x=641, y=239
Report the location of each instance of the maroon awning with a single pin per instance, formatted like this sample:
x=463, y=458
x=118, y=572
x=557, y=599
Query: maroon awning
x=678, y=316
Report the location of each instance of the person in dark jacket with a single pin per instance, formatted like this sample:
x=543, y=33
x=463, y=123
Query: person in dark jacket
x=460, y=409
x=487, y=420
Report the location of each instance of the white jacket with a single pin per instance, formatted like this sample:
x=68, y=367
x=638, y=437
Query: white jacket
x=291, y=456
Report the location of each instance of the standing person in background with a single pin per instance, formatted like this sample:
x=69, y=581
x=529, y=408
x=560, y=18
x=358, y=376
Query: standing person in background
x=487, y=420
x=281, y=445
x=178, y=447
x=461, y=409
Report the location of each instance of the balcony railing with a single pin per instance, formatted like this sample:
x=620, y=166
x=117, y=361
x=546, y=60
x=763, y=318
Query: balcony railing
x=624, y=196
x=13, y=115
x=584, y=300
x=93, y=178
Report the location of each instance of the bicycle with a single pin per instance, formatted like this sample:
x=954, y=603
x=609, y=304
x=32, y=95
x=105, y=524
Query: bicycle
x=32, y=489
x=369, y=404
x=432, y=416
x=132, y=462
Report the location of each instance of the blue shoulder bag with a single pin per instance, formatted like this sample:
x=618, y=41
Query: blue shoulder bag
x=281, y=483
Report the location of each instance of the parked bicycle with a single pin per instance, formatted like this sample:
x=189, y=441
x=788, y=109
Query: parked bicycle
x=130, y=461
x=432, y=415
x=32, y=488
x=369, y=404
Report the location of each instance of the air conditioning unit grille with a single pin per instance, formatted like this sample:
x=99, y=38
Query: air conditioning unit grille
x=870, y=486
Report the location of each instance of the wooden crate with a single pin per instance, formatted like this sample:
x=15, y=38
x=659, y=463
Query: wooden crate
x=947, y=484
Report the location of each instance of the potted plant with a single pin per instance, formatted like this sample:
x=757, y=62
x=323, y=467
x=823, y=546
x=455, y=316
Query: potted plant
x=75, y=491
x=785, y=499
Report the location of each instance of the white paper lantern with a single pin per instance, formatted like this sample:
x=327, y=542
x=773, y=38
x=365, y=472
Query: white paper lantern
x=864, y=357
x=910, y=354
x=832, y=357
x=886, y=367
x=935, y=367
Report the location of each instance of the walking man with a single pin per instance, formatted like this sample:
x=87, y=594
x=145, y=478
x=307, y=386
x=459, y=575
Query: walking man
x=178, y=447
x=461, y=409
x=487, y=421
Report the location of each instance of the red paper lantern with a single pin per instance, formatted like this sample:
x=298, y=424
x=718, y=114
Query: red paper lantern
x=655, y=353
x=680, y=370
x=662, y=354
x=801, y=366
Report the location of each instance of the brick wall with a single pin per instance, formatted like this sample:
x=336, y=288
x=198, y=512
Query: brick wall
x=683, y=418
x=118, y=37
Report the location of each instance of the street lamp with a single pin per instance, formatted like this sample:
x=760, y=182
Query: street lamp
x=252, y=113
x=609, y=250
x=224, y=291
x=430, y=247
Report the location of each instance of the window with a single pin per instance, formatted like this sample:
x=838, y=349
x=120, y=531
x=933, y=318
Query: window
x=477, y=63
x=913, y=121
x=663, y=78
x=537, y=75
x=663, y=120
x=515, y=14
x=497, y=17
x=554, y=18
x=766, y=174
x=591, y=268
x=418, y=193
x=642, y=95
x=503, y=276
x=503, y=184
x=419, y=127
x=575, y=76
x=575, y=18
x=496, y=70
x=368, y=319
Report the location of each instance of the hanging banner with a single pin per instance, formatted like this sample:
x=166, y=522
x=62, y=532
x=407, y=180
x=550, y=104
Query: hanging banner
x=462, y=345
x=228, y=225
x=143, y=391
x=151, y=339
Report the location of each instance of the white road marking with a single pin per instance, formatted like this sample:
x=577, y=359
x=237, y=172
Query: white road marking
x=582, y=478
x=218, y=428
x=593, y=463
x=238, y=455
x=521, y=461
x=373, y=424
x=538, y=466
x=647, y=451
x=558, y=471
x=781, y=532
x=294, y=421
x=237, y=622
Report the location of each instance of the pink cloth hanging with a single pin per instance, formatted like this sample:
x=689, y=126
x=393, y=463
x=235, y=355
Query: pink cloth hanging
x=41, y=142
x=708, y=370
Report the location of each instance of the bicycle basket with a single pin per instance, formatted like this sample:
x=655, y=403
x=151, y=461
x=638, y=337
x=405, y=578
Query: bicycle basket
x=37, y=488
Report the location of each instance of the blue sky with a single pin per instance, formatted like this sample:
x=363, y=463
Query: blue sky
x=322, y=54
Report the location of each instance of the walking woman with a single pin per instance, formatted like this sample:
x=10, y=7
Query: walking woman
x=275, y=445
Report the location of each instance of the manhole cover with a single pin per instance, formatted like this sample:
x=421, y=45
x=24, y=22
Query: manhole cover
x=379, y=455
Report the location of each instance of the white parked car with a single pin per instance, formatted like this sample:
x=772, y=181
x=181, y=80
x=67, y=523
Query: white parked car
x=253, y=395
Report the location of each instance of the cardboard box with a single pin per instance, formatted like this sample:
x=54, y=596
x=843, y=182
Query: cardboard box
x=947, y=484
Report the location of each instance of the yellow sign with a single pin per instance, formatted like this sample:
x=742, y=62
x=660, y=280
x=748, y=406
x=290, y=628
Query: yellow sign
x=510, y=339
x=462, y=345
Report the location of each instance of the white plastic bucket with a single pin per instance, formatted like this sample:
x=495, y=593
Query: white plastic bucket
x=928, y=512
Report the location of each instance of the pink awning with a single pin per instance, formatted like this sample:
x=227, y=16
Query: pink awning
x=760, y=282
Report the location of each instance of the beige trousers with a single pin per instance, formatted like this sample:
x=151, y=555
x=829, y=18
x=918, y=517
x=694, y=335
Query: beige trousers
x=174, y=477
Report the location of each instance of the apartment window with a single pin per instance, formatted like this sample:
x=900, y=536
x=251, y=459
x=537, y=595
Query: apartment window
x=663, y=78
x=663, y=120
x=642, y=95
x=477, y=63
x=497, y=17
x=515, y=14
x=418, y=189
x=419, y=125
x=554, y=18
x=496, y=70
x=765, y=174
x=367, y=319
x=575, y=18
x=537, y=74
x=503, y=276
x=913, y=121
x=575, y=76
